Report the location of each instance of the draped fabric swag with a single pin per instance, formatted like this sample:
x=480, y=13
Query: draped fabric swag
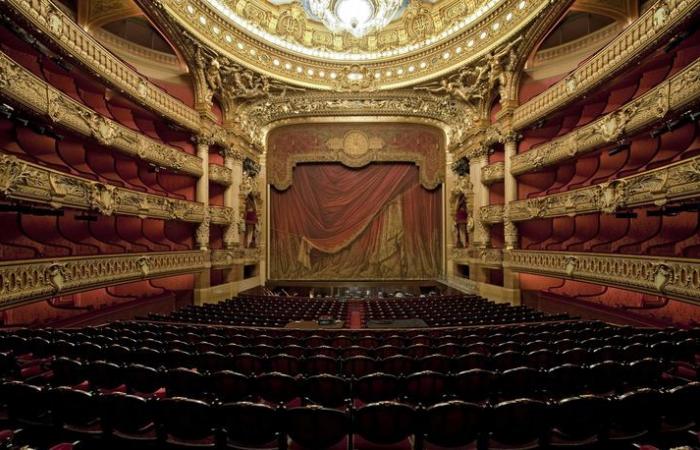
x=335, y=222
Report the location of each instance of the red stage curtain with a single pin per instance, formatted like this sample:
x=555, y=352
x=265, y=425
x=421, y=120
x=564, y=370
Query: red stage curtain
x=336, y=222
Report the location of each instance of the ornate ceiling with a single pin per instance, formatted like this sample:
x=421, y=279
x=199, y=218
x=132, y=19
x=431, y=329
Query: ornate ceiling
x=281, y=41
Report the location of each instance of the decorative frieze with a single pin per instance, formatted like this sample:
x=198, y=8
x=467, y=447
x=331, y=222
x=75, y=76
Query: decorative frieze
x=220, y=215
x=677, y=181
x=671, y=96
x=32, y=279
x=220, y=175
x=491, y=214
x=638, y=39
x=18, y=85
x=493, y=173
x=487, y=257
x=64, y=34
x=237, y=256
x=20, y=180
x=672, y=277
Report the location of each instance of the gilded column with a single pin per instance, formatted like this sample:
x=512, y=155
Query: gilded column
x=233, y=160
x=511, y=190
x=510, y=229
x=263, y=221
x=202, y=191
x=478, y=158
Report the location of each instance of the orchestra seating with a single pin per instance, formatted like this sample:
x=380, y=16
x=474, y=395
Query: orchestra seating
x=140, y=384
x=441, y=311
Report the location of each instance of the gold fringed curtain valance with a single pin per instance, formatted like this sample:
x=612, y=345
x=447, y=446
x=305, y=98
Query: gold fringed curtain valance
x=355, y=145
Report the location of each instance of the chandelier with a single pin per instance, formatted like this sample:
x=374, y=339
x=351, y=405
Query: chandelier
x=357, y=17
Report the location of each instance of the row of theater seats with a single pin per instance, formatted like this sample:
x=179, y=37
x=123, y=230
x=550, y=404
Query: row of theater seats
x=662, y=417
x=452, y=311
x=418, y=388
x=444, y=311
x=545, y=362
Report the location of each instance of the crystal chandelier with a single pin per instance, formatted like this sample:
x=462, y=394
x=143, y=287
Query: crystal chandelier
x=357, y=17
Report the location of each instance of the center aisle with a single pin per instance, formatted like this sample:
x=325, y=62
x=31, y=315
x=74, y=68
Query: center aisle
x=356, y=315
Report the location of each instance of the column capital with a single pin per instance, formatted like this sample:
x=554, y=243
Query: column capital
x=511, y=137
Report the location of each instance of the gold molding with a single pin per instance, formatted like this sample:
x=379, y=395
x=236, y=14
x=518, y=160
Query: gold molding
x=671, y=96
x=25, y=280
x=19, y=85
x=20, y=180
x=493, y=173
x=671, y=277
x=635, y=41
x=238, y=256
x=61, y=31
x=220, y=175
x=221, y=215
x=483, y=257
x=323, y=107
x=444, y=56
x=677, y=181
x=491, y=214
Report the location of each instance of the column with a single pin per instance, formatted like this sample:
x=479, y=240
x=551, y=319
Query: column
x=478, y=158
x=510, y=230
x=233, y=160
x=448, y=216
x=263, y=219
x=202, y=191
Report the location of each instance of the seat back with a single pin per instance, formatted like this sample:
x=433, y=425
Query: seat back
x=385, y=423
x=453, y=424
x=316, y=427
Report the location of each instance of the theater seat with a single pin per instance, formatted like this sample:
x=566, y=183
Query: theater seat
x=250, y=425
x=316, y=427
x=185, y=422
x=384, y=425
x=128, y=421
x=519, y=424
x=453, y=424
x=578, y=422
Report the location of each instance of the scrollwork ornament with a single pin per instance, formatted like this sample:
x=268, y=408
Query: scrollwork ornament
x=13, y=172
x=104, y=198
x=611, y=196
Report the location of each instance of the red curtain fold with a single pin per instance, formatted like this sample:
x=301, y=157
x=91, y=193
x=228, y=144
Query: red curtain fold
x=337, y=222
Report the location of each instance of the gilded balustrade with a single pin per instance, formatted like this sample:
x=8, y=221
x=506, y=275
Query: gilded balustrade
x=21, y=87
x=678, y=181
x=672, y=277
x=21, y=180
x=36, y=278
x=637, y=40
x=672, y=96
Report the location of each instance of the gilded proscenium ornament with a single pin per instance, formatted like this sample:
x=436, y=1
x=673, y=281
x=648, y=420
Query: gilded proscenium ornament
x=678, y=181
x=475, y=84
x=636, y=41
x=673, y=277
x=261, y=117
x=21, y=87
x=670, y=97
x=40, y=278
x=505, y=21
x=20, y=180
x=61, y=31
